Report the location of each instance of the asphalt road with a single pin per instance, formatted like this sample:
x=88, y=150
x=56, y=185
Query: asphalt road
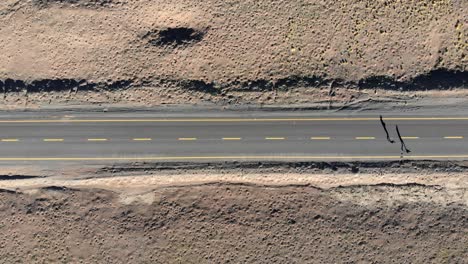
x=91, y=138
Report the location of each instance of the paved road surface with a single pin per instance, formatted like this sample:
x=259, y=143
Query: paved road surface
x=129, y=138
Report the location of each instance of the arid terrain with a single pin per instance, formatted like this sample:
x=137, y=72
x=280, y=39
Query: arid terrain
x=217, y=52
x=105, y=55
x=307, y=213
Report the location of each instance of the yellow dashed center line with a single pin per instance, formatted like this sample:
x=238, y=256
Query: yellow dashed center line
x=143, y=158
x=53, y=139
x=10, y=140
x=224, y=138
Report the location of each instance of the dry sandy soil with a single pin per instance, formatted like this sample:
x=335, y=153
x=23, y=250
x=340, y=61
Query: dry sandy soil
x=325, y=53
x=231, y=40
x=154, y=52
x=272, y=215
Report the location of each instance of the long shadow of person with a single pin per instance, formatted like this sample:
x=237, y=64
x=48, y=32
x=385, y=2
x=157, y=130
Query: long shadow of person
x=386, y=131
x=403, y=145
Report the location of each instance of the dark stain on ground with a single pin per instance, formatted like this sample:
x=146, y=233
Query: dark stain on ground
x=434, y=80
x=178, y=36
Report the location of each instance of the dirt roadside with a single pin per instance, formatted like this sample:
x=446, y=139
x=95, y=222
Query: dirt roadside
x=256, y=215
x=216, y=52
x=114, y=42
x=222, y=54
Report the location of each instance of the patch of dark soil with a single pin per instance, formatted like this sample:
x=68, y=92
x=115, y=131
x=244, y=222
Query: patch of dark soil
x=243, y=184
x=281, y=84
x=174, y=37
x=390, y=185
x=441, y=79
x=7, y=191
x=82, y=3
x=17, y=177
x=58, y=188
x=60, y=85
x=199, y=86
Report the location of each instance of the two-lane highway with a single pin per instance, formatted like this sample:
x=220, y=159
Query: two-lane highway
x=273, y=138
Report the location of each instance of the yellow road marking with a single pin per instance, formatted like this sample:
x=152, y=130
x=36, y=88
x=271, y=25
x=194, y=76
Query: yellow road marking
x=10, y=140
x=410, y=137
x=239, y=120
x=365, y=138
x=454, y=137
x=320, y=138
x=465, y=156
x=275, y=138
x=53, y=139
x=232, y=138
x=187, y=139
x=97, y=139
x=142, y=139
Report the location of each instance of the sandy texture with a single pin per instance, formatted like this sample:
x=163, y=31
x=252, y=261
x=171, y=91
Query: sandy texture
x=233, y=223
x=215, y=52
x=242, y=40
x=269, y=214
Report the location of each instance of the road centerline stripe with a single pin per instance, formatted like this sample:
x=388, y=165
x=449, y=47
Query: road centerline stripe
x=232, y=138
x=97, y=139
x=275, y=138
x=10, y=140
x=364, y=138
x=53, y=139
x=454, y=137
x=187, y=139
x=142, y=139
x=320, y=138
x=410, y=137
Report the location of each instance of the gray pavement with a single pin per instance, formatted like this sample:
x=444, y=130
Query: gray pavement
x=99, y=137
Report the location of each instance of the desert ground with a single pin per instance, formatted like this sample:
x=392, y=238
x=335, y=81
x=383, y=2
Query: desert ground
x=152, y=53
x=309, y=213
x=333, y=55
